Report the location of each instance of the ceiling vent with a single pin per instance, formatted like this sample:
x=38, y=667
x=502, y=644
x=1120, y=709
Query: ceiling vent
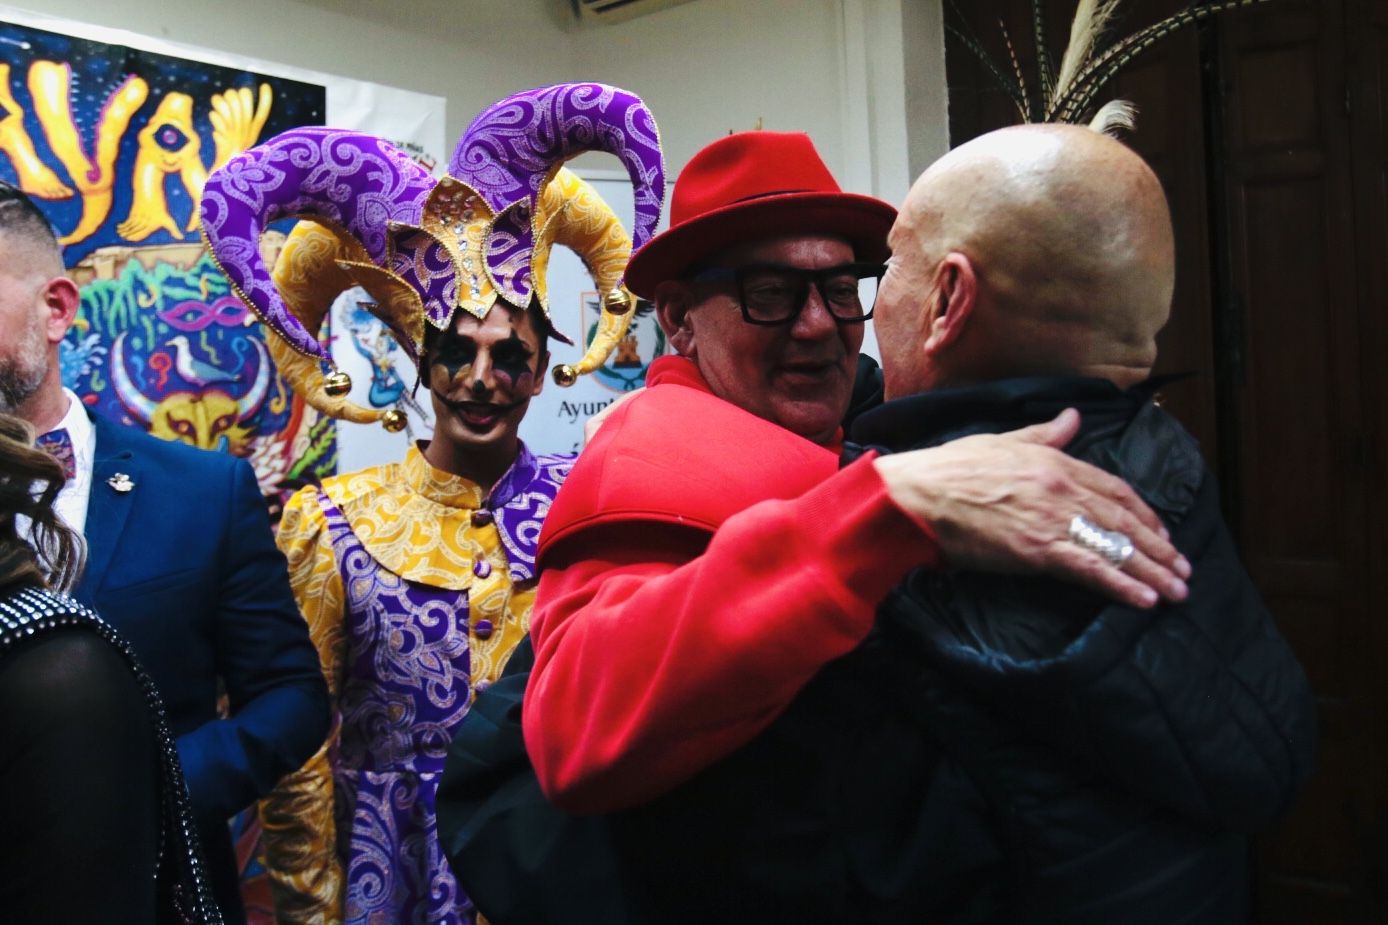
x=609, y=11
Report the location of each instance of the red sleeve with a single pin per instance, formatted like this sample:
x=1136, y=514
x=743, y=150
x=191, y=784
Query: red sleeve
x=659, y=651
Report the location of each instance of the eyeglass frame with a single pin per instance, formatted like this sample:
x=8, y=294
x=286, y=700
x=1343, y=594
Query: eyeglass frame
x=809, y=278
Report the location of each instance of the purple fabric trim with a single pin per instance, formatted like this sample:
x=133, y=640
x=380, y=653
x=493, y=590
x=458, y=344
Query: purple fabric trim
x=519, y=502
x=356, y=182
x=510, y=149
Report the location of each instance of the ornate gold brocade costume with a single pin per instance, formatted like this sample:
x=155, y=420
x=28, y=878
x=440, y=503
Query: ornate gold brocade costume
x=437, y=532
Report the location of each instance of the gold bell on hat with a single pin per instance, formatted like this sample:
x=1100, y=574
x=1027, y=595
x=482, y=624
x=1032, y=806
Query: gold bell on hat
x=617, y=301
x=337, y=383
x=565, y=375
x=394, y=420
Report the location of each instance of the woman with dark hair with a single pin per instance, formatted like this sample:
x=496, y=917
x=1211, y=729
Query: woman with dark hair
x=95, y=819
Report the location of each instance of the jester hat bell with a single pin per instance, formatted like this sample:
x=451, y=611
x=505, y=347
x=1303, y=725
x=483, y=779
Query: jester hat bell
x=753, y=185
x=425, y=249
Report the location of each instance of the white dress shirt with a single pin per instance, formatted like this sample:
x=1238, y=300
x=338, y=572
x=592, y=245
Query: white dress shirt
x=72, y=500
x=71, y=504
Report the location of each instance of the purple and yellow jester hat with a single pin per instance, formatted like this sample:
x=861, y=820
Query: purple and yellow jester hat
x=424, y=249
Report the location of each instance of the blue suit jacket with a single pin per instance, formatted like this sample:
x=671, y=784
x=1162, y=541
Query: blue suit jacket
x=185, y=566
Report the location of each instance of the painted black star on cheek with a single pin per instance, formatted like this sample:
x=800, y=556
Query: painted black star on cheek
x=456, y=355
x=511, y=359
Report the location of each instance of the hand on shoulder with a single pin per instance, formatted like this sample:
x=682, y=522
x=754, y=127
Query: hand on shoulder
x=1004, y=503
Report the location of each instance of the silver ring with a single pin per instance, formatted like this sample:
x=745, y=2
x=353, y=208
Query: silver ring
x=1116, y=547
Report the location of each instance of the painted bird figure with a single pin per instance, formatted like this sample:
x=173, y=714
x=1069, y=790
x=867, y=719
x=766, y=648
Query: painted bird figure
x=195, y=371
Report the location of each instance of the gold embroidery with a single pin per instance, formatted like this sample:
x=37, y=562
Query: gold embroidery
x=415, y=521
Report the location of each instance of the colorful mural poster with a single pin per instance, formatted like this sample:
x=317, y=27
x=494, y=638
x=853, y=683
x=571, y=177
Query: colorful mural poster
x=115, y=144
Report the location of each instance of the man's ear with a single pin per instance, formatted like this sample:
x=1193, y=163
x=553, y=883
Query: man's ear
x=61, y=298
x=954, y=296
x=673, y=300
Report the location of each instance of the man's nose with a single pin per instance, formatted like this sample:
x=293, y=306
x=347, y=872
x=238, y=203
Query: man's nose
x=483, y=378
x=814, y=322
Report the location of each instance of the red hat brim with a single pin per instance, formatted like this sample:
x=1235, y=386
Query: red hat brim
x=862, y=220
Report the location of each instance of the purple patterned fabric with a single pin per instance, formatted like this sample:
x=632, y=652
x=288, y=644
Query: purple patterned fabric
x=354, y=182
x=406, y=689
x=423, y=261
x=509, y=152
x=520, y=500
x=363, y=187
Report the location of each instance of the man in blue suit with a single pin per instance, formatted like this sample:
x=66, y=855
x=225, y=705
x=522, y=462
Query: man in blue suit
x=180, y=559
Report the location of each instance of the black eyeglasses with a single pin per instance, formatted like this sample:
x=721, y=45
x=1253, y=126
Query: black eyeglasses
x=771, y=293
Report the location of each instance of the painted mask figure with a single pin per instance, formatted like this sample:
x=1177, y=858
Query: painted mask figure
x=481, y=376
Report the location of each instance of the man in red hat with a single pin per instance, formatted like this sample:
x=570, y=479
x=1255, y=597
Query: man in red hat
x=703, y=632
x=661, y=564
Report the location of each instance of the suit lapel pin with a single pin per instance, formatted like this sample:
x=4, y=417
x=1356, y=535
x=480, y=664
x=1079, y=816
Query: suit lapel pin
x=121, y=482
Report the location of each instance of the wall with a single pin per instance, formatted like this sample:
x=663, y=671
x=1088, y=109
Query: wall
x=715, y=66
x=359, y=38
x=864, y=77
x=837, y=69
x=923, y=80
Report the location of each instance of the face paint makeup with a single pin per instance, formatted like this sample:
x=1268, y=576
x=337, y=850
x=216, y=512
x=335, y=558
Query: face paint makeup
x=482, y=375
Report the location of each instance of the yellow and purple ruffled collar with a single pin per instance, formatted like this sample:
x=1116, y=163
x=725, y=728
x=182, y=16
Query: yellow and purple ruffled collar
x=427, y=525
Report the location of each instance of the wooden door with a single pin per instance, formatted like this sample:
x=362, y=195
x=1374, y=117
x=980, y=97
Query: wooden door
x=1268, y=132
x=1367, y=25
x=1299, y=113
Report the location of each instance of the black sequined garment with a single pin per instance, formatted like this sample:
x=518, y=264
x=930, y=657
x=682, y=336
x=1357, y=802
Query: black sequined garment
x=30, y=619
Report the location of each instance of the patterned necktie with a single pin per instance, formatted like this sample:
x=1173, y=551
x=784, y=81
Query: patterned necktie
x=58, y=443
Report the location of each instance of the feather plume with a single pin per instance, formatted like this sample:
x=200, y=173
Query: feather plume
x=1017, y=70
x=1086, y=65
x=1045, y=73
x=1101, y=69
x=1091, y=18
x=1114, y=117
x=987, y=61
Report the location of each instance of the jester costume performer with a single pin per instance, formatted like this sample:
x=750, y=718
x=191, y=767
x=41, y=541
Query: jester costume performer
x=416, y=582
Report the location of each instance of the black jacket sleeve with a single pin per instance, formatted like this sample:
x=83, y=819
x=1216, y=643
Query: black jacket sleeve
x=1200, y=707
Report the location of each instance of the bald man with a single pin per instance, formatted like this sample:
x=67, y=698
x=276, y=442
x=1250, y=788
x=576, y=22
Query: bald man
x=1104, y=762
x=1054, y=243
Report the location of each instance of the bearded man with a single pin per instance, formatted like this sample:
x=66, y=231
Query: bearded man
x=180, y=559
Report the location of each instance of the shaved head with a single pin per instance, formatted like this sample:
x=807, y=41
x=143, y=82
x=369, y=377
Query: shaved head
x=37, y=305
x=30, y=244
x=1057, y=239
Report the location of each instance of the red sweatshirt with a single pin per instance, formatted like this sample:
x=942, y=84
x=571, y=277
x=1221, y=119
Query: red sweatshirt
x=699, y=567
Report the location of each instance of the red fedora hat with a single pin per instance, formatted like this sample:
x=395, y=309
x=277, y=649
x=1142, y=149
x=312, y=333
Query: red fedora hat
x=756, y=185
